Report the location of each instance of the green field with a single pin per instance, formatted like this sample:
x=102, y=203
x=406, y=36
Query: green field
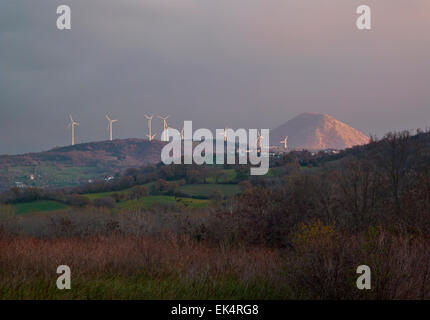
x=149, y=201
x=206, y=190
x=93, y=196
x=228, y=176
x=38, y=206
x=144, y=203
x=191, y=190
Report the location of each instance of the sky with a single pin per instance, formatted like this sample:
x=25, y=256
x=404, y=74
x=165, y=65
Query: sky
x=234, y=63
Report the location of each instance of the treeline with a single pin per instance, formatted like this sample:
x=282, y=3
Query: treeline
x=386, y=186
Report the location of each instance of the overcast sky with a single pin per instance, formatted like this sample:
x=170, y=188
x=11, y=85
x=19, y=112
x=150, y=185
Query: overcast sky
x=236, y=63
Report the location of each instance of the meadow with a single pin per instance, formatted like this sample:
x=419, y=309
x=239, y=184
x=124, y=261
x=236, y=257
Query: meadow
x=143, y=268
x=205, y=190
x=38, y=206
x=150, y=201
x=146, y=202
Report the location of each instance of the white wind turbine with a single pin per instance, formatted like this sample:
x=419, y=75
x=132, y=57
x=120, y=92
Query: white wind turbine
x=224, y=134
x=165, y=128
x=168, y=128
x=260, y=139
x=150, y=135
x=72, y=125
x=284, y=142
x=110, y=126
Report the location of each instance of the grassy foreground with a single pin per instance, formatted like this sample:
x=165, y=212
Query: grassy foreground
x=144, y=268
x=140, y=287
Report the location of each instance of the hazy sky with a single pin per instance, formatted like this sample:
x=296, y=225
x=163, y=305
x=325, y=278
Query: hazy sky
x=236, y=63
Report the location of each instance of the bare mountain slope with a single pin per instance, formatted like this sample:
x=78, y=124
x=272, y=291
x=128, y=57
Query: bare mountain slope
x=314, y=131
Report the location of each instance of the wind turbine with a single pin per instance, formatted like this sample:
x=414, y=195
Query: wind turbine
x=225, y=134
x=284, y=142
x=165, y=128
x=150, y=136
x=260, y=138
x=72, y=125
x=110, y=126
x=168, y=128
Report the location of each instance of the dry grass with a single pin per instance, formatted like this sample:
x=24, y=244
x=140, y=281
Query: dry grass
x=190, y=269
x=173, y=256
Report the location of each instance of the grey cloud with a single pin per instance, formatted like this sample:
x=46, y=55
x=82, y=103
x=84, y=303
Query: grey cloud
x=242, y=63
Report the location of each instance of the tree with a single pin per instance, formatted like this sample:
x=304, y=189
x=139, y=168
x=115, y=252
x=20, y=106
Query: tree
x=242, y=173
x=393, y=158
x=78, y=200
x=137, y=192
x=118, y=197
x=107, y=202
x=216, y=197
x=132, y=172
x=172, y=188
x=159, y=186
x=125, y=182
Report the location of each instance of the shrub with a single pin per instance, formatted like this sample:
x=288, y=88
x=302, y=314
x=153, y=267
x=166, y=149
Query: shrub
x=78, y=200
x=216, y=197
x=6, y=211
x=137, y=192
x=313, y=233
x=107, y=202
x=118, y=197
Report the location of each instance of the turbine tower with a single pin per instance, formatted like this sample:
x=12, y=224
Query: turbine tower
x=72, y=125
x=150, y=136
x=260, y=138
x=110, y=126
x=165, y=128
x=284, y=142
x=225, y=134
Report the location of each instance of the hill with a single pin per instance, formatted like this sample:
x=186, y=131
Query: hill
x=314, y=131
x=72, y=165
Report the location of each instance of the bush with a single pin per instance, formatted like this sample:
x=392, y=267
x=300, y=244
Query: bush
x=313, y=233
x=76, y=200
x=105, y=202
x=137, y=192
x=6, y=211
x=118, y=197
x=216, y=197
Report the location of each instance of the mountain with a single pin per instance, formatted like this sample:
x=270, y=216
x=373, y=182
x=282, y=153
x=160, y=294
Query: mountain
x=72, y=165
x=314, y=131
